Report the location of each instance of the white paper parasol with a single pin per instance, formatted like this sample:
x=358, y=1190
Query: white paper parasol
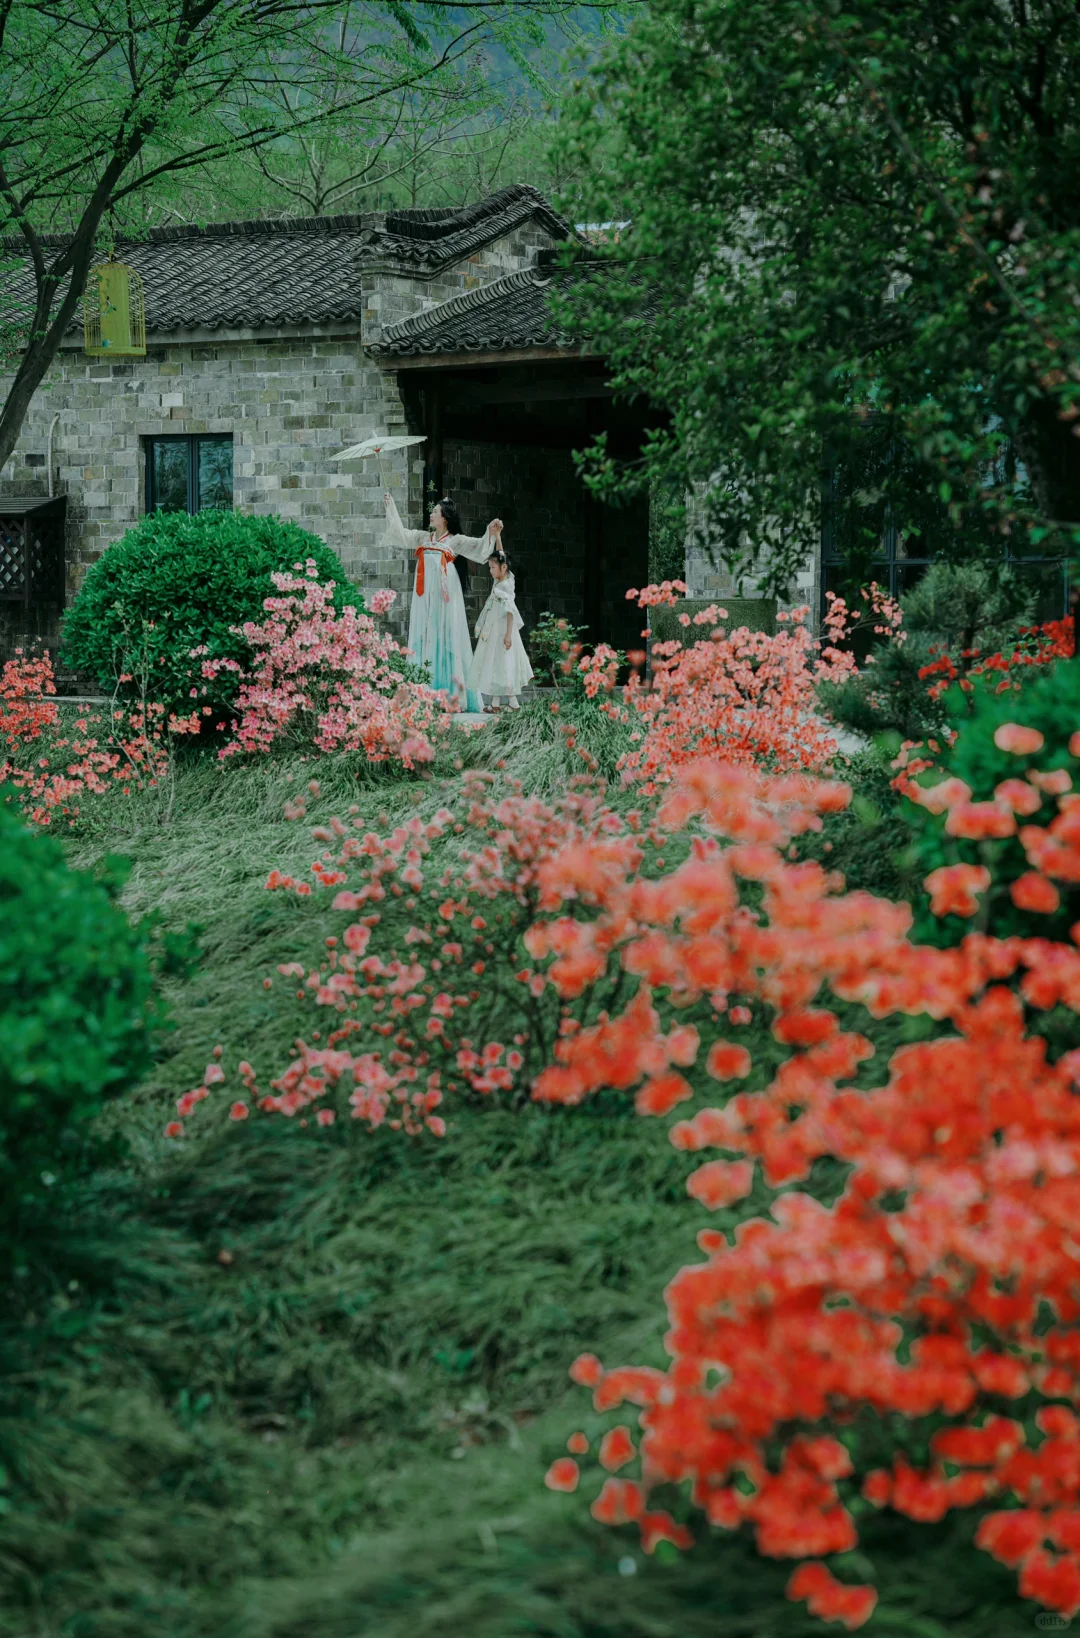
x=379, y=444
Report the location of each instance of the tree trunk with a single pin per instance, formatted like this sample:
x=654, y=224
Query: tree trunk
x=48, y=329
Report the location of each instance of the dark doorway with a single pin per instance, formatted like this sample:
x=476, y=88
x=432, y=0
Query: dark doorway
x=501, y=437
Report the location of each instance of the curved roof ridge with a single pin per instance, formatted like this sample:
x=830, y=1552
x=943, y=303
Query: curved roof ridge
x=181, y=232
x=427, y=223
x=418, y=324
x=308, y=270
x=518, y=200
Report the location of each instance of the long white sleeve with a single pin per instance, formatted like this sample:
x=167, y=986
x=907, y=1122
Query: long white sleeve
x=407, y=539
x=476, y=549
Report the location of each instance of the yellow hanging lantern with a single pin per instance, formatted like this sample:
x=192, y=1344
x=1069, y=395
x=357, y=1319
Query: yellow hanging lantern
x=114, y=318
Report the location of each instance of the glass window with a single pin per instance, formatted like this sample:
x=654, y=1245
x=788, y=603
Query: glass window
x=189, y=473
x=168, y=475
x=213, y=474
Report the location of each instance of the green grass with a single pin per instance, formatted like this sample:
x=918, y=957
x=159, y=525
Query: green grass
x=288, y=1383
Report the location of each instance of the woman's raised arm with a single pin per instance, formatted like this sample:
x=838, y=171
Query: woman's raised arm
x=478, y=548
x=407, y=539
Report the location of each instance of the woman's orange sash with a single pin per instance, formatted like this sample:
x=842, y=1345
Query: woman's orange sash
x=447, y=559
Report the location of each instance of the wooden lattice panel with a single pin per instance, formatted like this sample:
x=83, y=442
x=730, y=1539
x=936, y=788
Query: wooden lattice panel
x=32, y=550
x=12, y=560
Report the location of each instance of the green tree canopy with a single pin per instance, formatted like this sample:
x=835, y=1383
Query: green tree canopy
x=852, y=223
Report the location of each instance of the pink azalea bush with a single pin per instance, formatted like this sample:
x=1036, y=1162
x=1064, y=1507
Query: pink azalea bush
x=329, y=680
x=49, y=768
x=745, y=696
x=416, y=982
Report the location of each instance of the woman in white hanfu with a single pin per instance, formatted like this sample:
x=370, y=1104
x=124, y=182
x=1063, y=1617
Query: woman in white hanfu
x=438, y=629
x=500, y=665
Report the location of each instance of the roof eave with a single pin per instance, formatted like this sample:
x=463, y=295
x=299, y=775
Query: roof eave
x=477, y=356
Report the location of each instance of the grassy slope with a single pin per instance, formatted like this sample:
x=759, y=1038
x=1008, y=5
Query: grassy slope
x=290, y=1384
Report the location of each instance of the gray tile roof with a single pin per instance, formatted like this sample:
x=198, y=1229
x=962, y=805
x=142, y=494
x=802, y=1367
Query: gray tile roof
x=509, y=313
x=308, y=270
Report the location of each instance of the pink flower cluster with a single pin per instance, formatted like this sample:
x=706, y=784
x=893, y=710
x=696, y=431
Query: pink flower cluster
x=744, y=696
x=324, y=678
x=51, y=769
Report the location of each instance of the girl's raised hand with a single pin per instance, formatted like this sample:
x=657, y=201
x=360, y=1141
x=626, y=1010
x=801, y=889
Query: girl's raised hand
x=495, y=526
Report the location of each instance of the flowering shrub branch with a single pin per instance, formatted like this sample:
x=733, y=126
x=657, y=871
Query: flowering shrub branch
x=415, y=983
x=49, y=770
x=745, y=696
x=328, y=678
x=1035, y=646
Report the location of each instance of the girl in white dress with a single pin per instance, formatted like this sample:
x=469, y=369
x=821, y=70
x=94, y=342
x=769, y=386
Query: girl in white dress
x=500, y=665
x=438, y=629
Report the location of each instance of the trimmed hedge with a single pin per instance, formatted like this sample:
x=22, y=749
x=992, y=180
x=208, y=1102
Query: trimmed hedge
x=76, y=1011
x=177, y=582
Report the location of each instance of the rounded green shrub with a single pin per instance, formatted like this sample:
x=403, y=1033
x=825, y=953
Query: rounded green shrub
x=76, y=1012
x=175, y=583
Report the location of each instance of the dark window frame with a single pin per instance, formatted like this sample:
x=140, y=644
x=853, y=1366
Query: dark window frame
x=192, y=440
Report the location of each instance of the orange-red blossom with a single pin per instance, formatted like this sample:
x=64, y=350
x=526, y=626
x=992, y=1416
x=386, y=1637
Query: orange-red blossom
x=946, y=1277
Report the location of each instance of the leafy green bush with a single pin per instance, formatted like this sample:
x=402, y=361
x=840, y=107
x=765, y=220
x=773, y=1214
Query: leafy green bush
x=969, y=605
x=550, y=642
x=176, y=583
x=887, y=695
x=1049, y=703
x=76, y=990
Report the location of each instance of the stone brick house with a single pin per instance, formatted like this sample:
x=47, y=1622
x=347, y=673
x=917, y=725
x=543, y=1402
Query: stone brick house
x=271, y=346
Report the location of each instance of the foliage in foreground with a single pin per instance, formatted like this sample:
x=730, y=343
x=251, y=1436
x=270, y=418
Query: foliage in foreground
x=75, y=1016
x=335, y=1430
x=911, y=1344
x=904, y=1338
x=285, y=1383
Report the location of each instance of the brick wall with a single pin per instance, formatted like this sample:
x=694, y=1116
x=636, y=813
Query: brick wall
x=707, y=577
x=395, y=296
x=538, y=497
